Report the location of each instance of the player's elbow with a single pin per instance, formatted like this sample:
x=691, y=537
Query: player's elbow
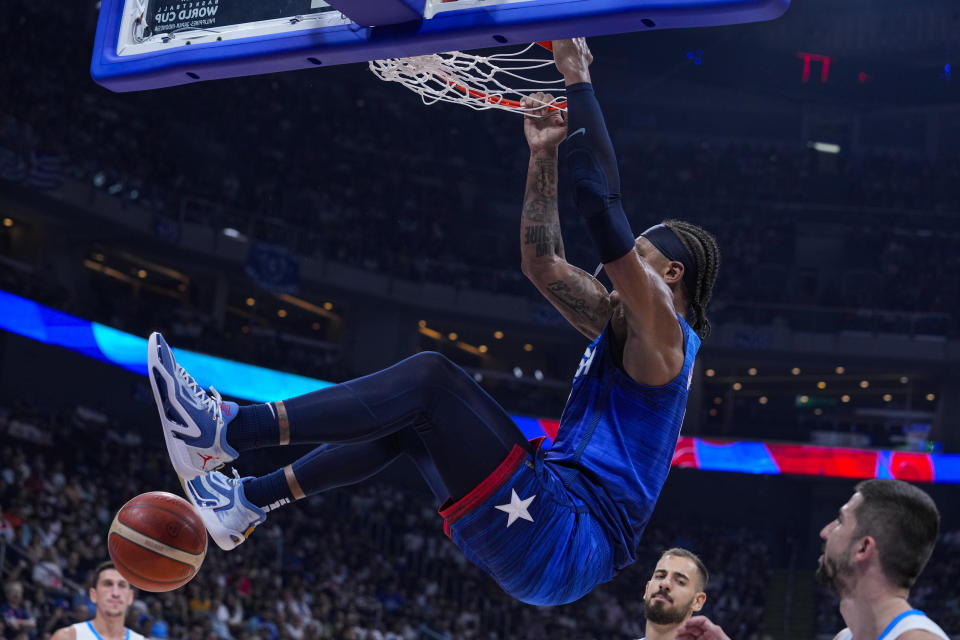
x=538, y=269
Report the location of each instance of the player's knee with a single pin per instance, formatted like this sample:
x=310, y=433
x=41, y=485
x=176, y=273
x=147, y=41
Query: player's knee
x=431, y=367
x=437, y=376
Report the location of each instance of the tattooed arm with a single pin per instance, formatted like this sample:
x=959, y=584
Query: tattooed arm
x=582, y=300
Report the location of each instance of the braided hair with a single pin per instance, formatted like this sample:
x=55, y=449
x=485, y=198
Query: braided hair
x=703, y=247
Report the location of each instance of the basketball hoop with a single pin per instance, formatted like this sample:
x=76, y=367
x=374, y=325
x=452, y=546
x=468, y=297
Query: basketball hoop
x=478, y=82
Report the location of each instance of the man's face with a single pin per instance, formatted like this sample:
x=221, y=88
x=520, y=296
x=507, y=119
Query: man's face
x=835, y=565
x=113, y=594
x=673, y=593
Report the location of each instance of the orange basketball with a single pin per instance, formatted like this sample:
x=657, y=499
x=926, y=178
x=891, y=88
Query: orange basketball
x=157, y=541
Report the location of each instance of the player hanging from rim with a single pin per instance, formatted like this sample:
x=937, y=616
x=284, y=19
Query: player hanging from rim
x=112, y=595
x=546, y=525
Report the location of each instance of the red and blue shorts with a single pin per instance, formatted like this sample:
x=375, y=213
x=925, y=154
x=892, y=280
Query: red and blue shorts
x=524, y=528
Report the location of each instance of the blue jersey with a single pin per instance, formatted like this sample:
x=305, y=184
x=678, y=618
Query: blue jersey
x=617, y=438
x=551, y=525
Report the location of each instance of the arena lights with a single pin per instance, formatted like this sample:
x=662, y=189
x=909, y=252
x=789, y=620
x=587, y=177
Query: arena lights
x=328, y=306
x=99, y=257
x=538, y=374
x=430, y=333
x=230, y=232
x=710, y=373
x=844, y=398
x=528, y=347
x=281, y=313
x=483, y=348
x=864, y=384
x=795, y=371
x=251, y=302
x=824, y=147
x=821, y=385
x=818, y=411
x=737, y=386
x=517, y=372
x=931, y=397
x=315, y=326
x=422, y=324
x=8, y=222
x=840, y=371
x=904, y=379
x=452, y=336
x=762, y=400
x=142, y=274
x=498, y=335
x=718, y=400
x=752, y=371
x=887, y=397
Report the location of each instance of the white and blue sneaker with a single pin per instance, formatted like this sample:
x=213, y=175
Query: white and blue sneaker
x=193, y=421
x=227, y=514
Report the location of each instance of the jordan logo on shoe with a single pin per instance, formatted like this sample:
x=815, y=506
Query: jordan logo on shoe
x=206, y=459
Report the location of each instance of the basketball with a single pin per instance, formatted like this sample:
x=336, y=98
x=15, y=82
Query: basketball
x=157, y=541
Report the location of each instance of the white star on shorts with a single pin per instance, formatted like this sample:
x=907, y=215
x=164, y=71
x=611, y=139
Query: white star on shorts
x=517, y=508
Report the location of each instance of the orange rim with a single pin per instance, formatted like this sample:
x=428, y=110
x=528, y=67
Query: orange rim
x=498, y=100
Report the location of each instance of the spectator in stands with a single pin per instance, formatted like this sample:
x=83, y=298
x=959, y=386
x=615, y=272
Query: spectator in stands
x=18, y=620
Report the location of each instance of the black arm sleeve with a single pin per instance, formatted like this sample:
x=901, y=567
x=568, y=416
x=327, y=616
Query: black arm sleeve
x=593, y=166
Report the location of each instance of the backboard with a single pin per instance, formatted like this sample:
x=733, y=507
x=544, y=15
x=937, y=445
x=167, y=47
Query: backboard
x=146, y=44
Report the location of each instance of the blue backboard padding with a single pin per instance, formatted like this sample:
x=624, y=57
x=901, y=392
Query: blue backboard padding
x=743, y=457
x=477, y=28
x=379, y=12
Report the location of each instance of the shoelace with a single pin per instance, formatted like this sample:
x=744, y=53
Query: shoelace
x=210, y=403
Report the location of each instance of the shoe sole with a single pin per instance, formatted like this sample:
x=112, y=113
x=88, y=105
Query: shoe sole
x=177, y=450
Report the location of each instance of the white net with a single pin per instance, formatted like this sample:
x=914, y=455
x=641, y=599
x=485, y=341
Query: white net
x=498, y=81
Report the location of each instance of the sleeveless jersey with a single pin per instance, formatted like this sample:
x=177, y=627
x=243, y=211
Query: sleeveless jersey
x=85, y=631
x=617, y=438
x=906, y=621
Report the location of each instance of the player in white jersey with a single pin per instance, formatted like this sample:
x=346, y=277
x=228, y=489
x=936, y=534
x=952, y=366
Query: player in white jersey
x=873, y=552
x=674, y=592
x=113, y=596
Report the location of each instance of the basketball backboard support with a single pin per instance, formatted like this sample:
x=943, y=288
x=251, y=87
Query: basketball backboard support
x=146, y=44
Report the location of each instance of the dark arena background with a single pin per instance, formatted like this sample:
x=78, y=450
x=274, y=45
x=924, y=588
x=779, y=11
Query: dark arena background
x=325, y=224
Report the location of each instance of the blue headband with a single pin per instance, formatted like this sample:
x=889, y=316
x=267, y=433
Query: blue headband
x=669, y=244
